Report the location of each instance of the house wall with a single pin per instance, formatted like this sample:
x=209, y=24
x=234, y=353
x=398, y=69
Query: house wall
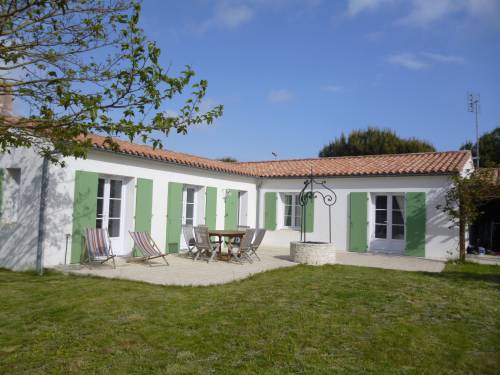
x=18, y=240
x=61, y=192
x=441, y=242
x=18, y=230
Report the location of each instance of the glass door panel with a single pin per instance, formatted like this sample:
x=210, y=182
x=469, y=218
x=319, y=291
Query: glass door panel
x=398, y=224
x=381, y=216
x=189, y=203
x=109, y=206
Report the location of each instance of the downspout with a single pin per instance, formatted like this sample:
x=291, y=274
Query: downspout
x=258, y=184
x=41, y=217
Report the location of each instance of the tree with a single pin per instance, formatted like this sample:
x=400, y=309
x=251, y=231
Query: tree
x=489, y=148
x=373, y=141
x=85, y=66
x=464, y=199
x=228, y=159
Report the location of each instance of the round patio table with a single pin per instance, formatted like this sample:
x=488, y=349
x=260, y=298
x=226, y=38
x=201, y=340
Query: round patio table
x=230, y=234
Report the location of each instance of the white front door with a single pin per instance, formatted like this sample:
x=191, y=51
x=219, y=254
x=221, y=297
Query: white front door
x=111, y=211
x=388, y=230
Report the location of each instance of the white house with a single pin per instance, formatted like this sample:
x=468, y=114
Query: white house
x=385, y=203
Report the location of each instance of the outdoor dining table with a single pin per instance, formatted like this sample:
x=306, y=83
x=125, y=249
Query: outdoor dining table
x=229, y=234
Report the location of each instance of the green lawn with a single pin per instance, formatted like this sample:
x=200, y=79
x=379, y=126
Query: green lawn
x=296, y=320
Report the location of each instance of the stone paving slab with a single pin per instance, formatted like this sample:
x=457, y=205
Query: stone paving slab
x=183, y=271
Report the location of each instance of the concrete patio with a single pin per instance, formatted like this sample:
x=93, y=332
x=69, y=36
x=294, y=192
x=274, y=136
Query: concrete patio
x=183, y=271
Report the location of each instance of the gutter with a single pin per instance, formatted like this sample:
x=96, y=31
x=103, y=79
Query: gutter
x=41, y=217
x=257, y=210
x=248, y=175
x=174, y=163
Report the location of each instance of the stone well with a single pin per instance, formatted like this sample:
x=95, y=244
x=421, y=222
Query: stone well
x=314, y=253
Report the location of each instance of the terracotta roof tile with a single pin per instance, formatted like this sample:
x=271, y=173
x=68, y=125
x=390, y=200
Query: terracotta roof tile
x=371, y=165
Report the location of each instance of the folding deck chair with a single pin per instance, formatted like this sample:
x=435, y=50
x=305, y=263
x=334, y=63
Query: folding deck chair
x=98, y=246
x=245, y=247
x=188, y=232
x=147, y=247
x=203, y=245
x=259, y=236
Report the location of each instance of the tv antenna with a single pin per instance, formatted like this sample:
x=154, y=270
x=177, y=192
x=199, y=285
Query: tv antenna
x=473, y=101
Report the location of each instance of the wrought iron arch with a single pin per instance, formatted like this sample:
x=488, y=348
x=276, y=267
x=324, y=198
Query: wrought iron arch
x=310, y=192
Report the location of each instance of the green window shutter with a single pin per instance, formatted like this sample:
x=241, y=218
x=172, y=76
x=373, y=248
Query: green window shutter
x=270, y=200
x=143, y=207
x=309, y=215
x=174, y=217
x=211, y=207
x=358, y=233
x=231, y=210
x=1, y=191
x=84, y=210
x=415, y=224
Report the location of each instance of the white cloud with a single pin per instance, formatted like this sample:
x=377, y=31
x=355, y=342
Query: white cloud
x=332, y=88
x=445, y=59
x=408, y=60
x=228, y=16
x=425, y=12
x=171, y=113
x=280, y=96
x=232, y=16
x=415, y=61
x=355, y=7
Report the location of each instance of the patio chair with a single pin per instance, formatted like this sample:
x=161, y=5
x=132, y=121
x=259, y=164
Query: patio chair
x=98, y=246
x=188, y=233
x=236, y=241
x=147, y=247
x=203, y=244
x=259, y=236
x=244, y=247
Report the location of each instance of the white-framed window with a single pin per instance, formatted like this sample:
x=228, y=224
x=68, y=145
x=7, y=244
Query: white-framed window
x=292, y=212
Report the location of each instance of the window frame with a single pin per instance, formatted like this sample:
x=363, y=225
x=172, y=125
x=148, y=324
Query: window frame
x=389, y=212
x=293, y=215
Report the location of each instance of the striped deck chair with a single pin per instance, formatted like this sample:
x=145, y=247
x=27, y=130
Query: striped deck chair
x=98, y=246
x=147, y=247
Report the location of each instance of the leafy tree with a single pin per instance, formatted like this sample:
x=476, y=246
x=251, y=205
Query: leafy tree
x=373, y=141
x=85, y=66
x=463, y=201
x=489, y=148
x=228, y=159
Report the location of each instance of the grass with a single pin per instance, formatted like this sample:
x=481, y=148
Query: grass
x=314, y=320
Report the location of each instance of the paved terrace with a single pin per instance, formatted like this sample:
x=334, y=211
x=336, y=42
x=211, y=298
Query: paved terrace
x=183, y=271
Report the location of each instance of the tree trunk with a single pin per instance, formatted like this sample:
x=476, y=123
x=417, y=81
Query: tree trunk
x=461, y=233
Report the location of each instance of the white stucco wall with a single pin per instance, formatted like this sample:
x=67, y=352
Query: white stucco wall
x=18, y=238
x=61, y=191
x=441, y=242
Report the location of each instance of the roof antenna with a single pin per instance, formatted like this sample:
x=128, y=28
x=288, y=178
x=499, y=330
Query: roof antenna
x=473, y=106
x=274, y=154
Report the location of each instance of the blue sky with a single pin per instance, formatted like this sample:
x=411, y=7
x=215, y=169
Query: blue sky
x=294, y=74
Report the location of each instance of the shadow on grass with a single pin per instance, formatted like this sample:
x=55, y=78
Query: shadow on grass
x=470, y=272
